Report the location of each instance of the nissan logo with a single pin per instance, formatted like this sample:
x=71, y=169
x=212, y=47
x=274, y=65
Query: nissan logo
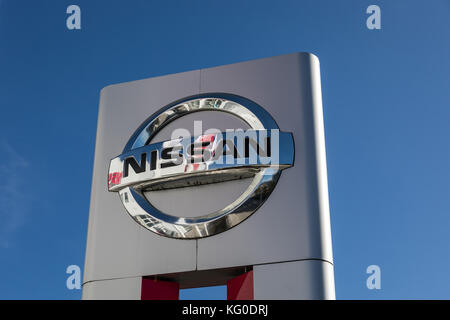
x=259, y=153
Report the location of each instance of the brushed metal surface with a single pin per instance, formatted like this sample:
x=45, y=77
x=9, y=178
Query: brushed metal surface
x=117, y=246
x=115, y=289
x=294, y=222
x=295, y=280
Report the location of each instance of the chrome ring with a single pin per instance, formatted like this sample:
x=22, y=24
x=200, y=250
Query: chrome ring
x=264, y=181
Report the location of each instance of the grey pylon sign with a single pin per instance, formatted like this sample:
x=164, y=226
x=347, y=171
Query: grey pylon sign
x=213, y=202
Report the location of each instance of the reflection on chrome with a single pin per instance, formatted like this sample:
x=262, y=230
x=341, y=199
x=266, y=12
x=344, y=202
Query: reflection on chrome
x=261, y=153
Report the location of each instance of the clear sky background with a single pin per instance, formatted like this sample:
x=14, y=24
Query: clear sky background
x=386, y=98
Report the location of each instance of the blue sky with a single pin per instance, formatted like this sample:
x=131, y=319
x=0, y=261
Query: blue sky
x=386, y=97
